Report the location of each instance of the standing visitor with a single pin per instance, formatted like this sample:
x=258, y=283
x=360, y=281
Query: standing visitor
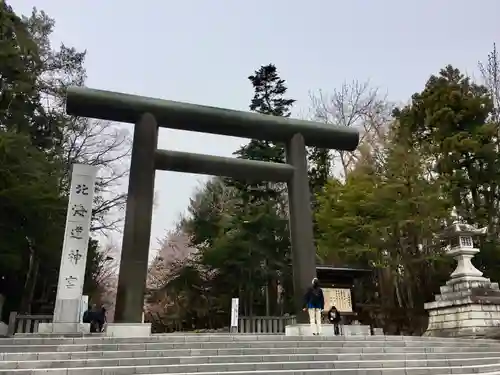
x=314, y=304
x=334, y=318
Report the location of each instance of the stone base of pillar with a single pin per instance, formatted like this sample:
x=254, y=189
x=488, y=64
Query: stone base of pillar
x=4, y=329
x=128, y=329
x=63, y=328
x=469, y=307
x=68, y=310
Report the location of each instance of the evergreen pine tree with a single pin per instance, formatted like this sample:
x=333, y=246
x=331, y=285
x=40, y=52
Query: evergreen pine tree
x=19, y=68
x=269, y=99
x=320, y=163
x=262, y=204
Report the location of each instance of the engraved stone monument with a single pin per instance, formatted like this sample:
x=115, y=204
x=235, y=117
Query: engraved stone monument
x=469, y=304
x=67, y=312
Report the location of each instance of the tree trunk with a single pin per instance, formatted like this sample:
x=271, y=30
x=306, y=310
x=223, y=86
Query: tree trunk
x=29, y=285
x=273, y=298
x=266, y=291
x=250, y=302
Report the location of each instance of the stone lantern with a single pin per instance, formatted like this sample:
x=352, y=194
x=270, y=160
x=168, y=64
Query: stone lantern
x=460, y=239
x=469, y=304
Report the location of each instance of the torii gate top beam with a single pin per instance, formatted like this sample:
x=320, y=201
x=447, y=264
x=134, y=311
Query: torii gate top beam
x=113, y=106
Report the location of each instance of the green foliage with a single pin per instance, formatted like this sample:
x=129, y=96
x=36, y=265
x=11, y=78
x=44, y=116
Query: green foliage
x=346, y=219
x=453, y=122
x=19, y=68
x=442, y=152
x=320, y=164
x=269, y=99
x=448, y=121
x=34, y=155
x=385, y=217
x=56, y=70
x=29, y=201
x=32, y=217
x=264, y=235
x=209, y=211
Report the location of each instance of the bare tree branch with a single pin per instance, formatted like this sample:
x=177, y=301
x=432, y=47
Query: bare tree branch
x=108, y=147
x=357, y=105
x=85, y=141
x=490, y=74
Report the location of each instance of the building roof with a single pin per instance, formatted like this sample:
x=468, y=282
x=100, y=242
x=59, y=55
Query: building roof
x=462, y=229
x=342, y=269
x=327, y=272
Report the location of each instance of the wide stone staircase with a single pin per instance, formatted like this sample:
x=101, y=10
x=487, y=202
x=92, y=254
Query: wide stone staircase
x=247, y=354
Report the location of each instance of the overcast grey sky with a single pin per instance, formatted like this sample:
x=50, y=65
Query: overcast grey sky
x=201, y=51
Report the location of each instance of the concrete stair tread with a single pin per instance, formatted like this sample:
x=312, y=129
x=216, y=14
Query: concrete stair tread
x=253, y=368
x=225, y=344
x=248, y=354
x=23, y=340
x=338, y=372
x=210, y=353
x=202, y=360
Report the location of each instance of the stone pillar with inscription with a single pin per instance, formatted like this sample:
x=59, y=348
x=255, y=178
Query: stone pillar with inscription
x=67, y=312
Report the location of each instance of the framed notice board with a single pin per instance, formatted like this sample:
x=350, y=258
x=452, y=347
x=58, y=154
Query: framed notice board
x=339, y=297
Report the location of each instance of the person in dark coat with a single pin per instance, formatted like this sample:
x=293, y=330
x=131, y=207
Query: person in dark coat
x=314, y=301
x=96, y=316
x=334, y=318
x=87, y=315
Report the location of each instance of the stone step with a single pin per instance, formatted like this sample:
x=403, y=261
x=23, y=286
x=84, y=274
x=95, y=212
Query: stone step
x=366, y=347
x=421, y=352
x=226, y=354
x=400, y=371
x=95, y=339
x=342, y=361
x=477, y=365
x=210, y=343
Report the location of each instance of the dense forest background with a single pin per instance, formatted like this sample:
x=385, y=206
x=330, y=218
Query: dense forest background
x=419, y=164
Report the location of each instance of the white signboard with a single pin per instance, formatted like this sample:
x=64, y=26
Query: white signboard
x=235, y=305
x=76, y=235
x=339, y=297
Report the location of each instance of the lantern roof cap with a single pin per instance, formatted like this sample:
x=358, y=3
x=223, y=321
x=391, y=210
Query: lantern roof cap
x=462, y=229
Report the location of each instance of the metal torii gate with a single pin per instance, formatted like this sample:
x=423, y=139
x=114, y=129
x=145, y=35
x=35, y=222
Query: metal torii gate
x=148, y=114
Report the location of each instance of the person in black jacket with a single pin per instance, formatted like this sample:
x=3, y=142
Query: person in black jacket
x=96, y=317
x=314, y=305
x=334, y=318
x=87, y=315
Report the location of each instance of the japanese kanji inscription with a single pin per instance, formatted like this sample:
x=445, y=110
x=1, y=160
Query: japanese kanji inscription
x=76, y=239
